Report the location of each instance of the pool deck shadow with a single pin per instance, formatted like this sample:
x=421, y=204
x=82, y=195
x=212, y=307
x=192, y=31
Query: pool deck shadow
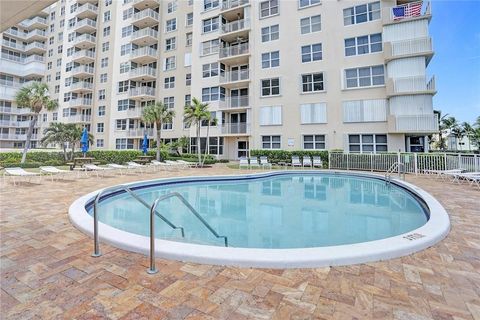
x=48, y=273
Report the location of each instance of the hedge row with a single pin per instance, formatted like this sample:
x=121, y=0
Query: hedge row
x=276, y=156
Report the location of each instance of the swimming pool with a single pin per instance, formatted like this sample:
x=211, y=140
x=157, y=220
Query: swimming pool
x=276, y=219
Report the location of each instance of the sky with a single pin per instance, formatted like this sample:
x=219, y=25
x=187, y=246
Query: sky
x=455, y=30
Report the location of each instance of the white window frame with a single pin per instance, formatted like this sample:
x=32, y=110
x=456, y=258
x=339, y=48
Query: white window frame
x=312, y=83
x=307, y=51
x=269, y=143
x=268, y=61
x=271, y=116
x=352, y=13
x=313, y=113
x=359, y=77
x=270, y=87
x=369, y=45
x=271, y=35
x=317, y=139
x=362, y=144
x=309, y=3
x=307, y=23
x=270, y=9
x=170, y=44
x=171, y=25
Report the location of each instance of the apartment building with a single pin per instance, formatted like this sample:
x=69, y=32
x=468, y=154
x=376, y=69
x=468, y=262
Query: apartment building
x=303, y=74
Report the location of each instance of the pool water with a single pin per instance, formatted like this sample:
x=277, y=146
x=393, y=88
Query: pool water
x=290, y=210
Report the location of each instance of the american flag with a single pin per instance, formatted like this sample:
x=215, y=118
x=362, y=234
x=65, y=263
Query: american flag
x=406, y=11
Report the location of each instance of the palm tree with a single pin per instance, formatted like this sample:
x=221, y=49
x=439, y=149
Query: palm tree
x=194, y=114
x=211, y=121
x=450, y=123
x=36, y=98
x=157, y=114
x=469, y=132
x=441, y=129
x=73, y=135
x=56, y=134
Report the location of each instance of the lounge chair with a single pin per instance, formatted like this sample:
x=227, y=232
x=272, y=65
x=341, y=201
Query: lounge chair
x=52, y=171
x=19, y=172
x=174, y=164
x=442, y=173
x=465, y=176
x=254, y=163
x=188, y=163
x=317, y=162
x=136, y=166
x=95, y=168
x=163, y=165
x=296, y=162
x=307, y=161
x=243, y=163
x=264, y=163
x=121, y=168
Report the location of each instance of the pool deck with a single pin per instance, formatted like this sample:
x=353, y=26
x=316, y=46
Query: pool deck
x=47, y=271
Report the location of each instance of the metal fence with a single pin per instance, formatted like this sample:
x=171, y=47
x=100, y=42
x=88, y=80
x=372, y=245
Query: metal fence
x=414, y=162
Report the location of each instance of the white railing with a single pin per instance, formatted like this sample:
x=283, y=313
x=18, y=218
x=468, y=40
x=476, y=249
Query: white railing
x=81, y=69
x=411, y=46
x=14, y=110
x=139, y=132
x=232, y=76
x=409, y=10
x=230, y=4
x=35, y=44
x=83, y=53
x=79, y=102
x=140, y=1
x=145, y=70
x=413, y=162
x=235, y=128
x=13, y=123
x=235, y=25
x=30, y=22
x=144, y=14
x=417, y=123
x=85, y=37
x=81, y=85
x=35, y=32
x=13, y=45
x=85, y=7
x=412, y=84
x=13, y=136
x=145, y=51
x=34, y=58
x=234, y=50
x=431, y=84
x=78, y=118
x=141, y=91
x=145, y=32
x=85, y=22
x=234, y=102
x=134, y=112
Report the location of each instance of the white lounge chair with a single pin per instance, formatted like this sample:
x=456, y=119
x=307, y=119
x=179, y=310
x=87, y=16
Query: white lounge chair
x=243, y=163
x=95, y=168
x=296, y=162
x=121, y=168
x=317, y=162
x=19, y=172
x=306, y=161
x=163, y=165
x=188, y=164
x=442, y=173
x=264, y=163
x=136, y=166
x=254, y=163
x=53, y=171
x=175, y=164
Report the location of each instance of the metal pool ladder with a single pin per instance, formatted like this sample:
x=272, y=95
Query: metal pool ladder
x=397, y=166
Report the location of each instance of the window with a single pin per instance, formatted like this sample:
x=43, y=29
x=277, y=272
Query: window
x=51, y=40
x=361, y=13
x=171, y=25
x=57, y=75
x=310, y=24
x=374, y=110
x=210, y=25
x=100, y=127
x=127, y=31
x=57, y=88
x=169, y=82
x=271, y=116
x=50, y=52
x=106, y=31
x=124, y=67
x=108, y=2
x=125, y=49
x=100, y=143
x=104, y=62
x=188, y=79
x=170, y=44
x=213, y=94
x=44, y=117
x=365, y=77
x=60, y=36
x=312, y=52
x=270, y=87
x=101, y=111
x=363, y=45
x=55, y=116
x=106, y=16
x=189, y=19
x=49, y=65
x=60, y=49
x=210, y=4
x=127, y=14
x=103, y=78
x=169, y=102
x=188, y=99
x=313, y=113
x=59, y=62
x=169, y=63
x=52, y=27
x=105, y=46
x=125, y=104
x=210, y=47
x=367, y=143
x=270, y=33
x=307, y=3
x=101, y=94
x=271, y=142
x=121, y=124
x=270, y=59
x=315, y=142
x=210, y=70
x=123, y=143
x=268, y=8
x=189, y=39
x=123, y=86
x=312, y=82
x=172, y=7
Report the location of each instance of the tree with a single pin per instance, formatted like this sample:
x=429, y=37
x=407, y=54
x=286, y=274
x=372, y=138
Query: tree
x=74, y=135
x=194, y=114
x=35, y=97
x=157, y=114
x=469, y=132
x=451, y=124
x=441, y=129
x=211, y=121
x=56, y=134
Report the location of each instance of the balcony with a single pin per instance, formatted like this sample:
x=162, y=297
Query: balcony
x=406, y=12
x=238, y=102
x=145, y=37
x=80, y=2
x=232, y=8
x=34, y=23
x=78, y=118
x=134, y=113
x=145, y=18
x=410, y=85
x=408, y=48
x=84, y=41
x=85, y=26
x=17, y=137
x=83, y=56
x=14, y=110
x=15, y=123
x=82, y=71
x=234, y=54
x=13, y=45
x=80, y=103
x=15, y=33
x=87, y=10
x=139, y=132
x=143, y=55
x=143, y=74
x=235, y=79
x=81, y=87
x=35, y=47
x=235, y=129
x=422, y=123
x=142, y=93
x=144, y=4
x=36, y=35
x=232, y=30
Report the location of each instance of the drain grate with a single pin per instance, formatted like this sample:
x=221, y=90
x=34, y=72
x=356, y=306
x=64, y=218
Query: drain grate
x=413, y=236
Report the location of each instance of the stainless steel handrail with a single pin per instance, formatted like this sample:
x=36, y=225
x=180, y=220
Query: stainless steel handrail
x=401, y=170
x=152, y=268
x=96, y=244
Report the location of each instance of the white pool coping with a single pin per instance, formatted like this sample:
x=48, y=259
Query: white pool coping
x=436, y=229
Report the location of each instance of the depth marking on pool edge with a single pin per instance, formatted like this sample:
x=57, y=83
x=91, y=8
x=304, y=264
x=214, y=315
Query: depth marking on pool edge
x=413, y=236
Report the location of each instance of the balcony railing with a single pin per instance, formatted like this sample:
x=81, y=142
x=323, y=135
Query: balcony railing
x=35, y=32
x=79, y=102
x=81, y=85
x=86, y=7
x=408, y=47
x=234, y=50
x=406, y=11
x=142, y=91
x=35, y=45
x=142, y=71
x=235, y=128
x=14, y=110
x=427, y=123
x=139, y=132
x=34, y=58
x=14, y=123
x=233, y=76
x=230, y=4
x=82, y=69
x=147, y=13
x=144, y=51
x=30, y=22
x=13, y=45
x=235, y=26
x=78, y=118
x=410, y=85
x=234, y=102
x=84, y=53
x=145, y=32
x=85, y=38
x=85, y=22
x=13, y=136
x=134, y=112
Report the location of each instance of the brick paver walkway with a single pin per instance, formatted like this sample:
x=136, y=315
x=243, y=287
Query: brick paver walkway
x=47, y=271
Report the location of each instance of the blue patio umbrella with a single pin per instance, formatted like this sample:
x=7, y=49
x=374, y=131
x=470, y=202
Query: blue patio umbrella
x=145, y=144
x=84, y=141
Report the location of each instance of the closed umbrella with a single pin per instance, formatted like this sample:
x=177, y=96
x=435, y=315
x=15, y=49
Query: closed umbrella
x=84, y=142
x=145, y=144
